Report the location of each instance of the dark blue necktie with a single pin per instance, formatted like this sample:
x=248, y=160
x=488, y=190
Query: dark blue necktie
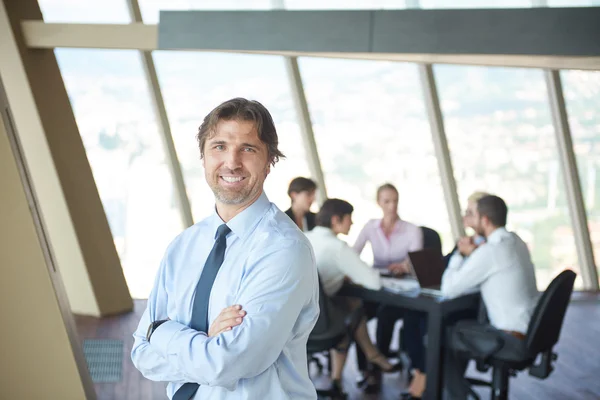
x=200, y=309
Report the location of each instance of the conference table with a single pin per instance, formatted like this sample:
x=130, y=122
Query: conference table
x=437, y=309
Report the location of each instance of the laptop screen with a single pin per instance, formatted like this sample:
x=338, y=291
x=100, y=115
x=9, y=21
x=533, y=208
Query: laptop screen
x=428, y=267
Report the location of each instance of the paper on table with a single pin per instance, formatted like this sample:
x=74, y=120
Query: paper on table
x=399, y=285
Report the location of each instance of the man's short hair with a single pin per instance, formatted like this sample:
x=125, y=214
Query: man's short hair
x=474, y=197
x=331, y=208
x=240, y=109
x=494, y=208
x=301, y=184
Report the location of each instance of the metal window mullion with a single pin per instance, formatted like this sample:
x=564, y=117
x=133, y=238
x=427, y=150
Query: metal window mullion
x=440, y=142
x=163, y=120
x=306, y=128
x=442, y=151
x=568, y=166
x=308, y=135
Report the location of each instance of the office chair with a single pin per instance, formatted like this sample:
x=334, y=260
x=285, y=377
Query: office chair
x=431, y=239
x=331, y=331
x=324, y=346
x=506, y=354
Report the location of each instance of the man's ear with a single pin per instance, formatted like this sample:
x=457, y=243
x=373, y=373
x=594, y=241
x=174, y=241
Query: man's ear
x=335, y=220
x=484, y=220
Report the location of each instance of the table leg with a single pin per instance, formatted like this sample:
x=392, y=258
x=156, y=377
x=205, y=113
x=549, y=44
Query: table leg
x=434, y=359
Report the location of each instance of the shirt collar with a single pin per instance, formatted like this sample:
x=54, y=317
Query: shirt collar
x=323, y=231
x=398, y=225
x=497, y=235
x=243, y=223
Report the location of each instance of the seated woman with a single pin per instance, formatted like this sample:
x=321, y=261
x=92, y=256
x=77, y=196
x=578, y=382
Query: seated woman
x=391, y=240
x=337, y=262
x=302, y=194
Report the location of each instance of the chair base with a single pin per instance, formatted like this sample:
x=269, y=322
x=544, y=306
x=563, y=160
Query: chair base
x=479, y=382
x=498, y=385
x=317, y=362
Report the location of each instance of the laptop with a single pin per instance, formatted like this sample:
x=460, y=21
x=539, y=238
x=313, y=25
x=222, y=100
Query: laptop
x=427, y=267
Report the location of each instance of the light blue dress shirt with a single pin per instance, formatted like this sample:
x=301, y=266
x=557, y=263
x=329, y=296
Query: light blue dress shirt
x=269, y=269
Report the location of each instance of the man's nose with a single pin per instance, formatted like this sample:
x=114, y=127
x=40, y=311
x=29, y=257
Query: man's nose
x=233, y=160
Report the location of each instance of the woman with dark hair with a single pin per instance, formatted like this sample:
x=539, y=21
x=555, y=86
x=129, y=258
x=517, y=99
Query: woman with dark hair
x=302, y=194
x=336, y=263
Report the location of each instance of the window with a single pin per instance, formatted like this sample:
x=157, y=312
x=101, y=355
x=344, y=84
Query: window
x=344, y=4
x=475, y=4
x=582, y=96
x=110, y=100
x=573, y=3
x=502, y=140
x=194, y=83
x=371, y=128
x=151, y=8
x=88, y=11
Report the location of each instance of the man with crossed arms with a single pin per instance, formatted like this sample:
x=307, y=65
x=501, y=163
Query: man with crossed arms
x=236, y=295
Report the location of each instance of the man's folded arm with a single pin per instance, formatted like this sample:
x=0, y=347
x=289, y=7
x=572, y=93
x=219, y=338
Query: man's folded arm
x=278, y=284
x=466, y=274
x=146, y=359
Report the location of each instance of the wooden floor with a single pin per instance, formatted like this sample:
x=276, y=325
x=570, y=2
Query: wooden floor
x=576, y=377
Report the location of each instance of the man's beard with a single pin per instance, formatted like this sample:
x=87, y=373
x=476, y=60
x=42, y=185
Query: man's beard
x=479, y=230
x=230, y=197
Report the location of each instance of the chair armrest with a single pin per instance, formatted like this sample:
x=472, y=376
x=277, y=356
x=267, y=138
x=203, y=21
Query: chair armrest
x=482, y=315
x=545, y=367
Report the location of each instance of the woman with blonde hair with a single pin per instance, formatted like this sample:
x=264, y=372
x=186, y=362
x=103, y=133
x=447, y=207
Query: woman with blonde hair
x=391, y=240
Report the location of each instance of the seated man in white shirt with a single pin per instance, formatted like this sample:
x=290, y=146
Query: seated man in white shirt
x=337, y=262
x=501, y=269
x=469, y=222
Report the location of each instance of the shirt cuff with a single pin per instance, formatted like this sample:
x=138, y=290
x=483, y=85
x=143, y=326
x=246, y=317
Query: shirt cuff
x=163, y=334
x=377, y=285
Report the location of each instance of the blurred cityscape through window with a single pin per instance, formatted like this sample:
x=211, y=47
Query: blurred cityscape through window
x=370, y=127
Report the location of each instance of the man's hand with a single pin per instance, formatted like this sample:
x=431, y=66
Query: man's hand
x=466, y=246
x=229, y=317
x=400, y=268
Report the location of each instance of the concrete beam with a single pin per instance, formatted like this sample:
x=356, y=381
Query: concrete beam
x=77, y=226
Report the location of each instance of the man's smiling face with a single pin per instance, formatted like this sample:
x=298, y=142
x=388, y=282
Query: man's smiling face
x=236, y=162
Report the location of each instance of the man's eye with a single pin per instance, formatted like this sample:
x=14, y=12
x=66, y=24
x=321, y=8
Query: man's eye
x=249, y=149
x=219, y=147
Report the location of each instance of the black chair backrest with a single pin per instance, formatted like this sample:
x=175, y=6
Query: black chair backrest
x=329, y=324
x=431, y=240
x=547, y=319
